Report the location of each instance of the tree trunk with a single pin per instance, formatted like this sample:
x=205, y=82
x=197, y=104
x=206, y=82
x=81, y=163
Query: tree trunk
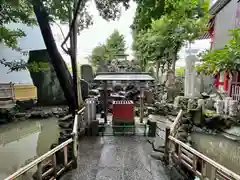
x=57, y=61
x=73, y=53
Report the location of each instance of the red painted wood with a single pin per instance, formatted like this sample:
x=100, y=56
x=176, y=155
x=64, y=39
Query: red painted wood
x=124, y=110
x=226, y=81
x=216, y=82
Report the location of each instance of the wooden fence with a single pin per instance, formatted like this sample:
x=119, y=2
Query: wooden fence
x=234, y=90
x=177, y=123
x=6, y=91
x=196, y=162
x=50, y=156
x=10, y=91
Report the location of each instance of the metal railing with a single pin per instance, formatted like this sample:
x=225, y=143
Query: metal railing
x=51, y=156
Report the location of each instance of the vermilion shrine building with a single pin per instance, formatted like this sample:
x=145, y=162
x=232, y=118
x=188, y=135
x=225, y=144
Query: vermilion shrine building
x=225, y=15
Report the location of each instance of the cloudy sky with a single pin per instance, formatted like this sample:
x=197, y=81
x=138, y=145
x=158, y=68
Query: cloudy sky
x=101, y=29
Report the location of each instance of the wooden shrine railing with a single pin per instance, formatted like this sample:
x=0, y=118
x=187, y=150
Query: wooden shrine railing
x=177, y=123
x=234, y=90
x=6, y=91
x=196, y=162
x=50, y=156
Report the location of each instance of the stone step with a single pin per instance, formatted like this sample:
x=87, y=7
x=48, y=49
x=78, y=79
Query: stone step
x=157, y=155
x=65, y=125
x=68, y=118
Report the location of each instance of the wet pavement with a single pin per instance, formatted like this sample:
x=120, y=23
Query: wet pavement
x=116, y=158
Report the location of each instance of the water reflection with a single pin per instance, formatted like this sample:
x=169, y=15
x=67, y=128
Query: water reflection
x=224, y=151
x=22, y=142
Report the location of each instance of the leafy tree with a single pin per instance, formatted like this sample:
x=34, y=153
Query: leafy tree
x=15, y=12
x=226, y=59
x=98, y=55
x=21, y=11
x=162, y=41
x=46, y=11
x=146, y=12
x=150, y=10
x=113, y=47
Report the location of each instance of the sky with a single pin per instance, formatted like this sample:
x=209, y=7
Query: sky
x=101, y=29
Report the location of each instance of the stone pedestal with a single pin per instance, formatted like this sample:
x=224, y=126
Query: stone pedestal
x=226, y=105
x=191, y=84
x=220, y=107
x=233, y=107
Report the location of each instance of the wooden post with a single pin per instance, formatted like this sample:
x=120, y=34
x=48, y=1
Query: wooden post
x=179, y=153
x=204, y=169
x=54, y=163
x=65, y=155
x=213, y=173
x=75, y=141
x=166, y=152
x=141, y=104
x=12, y=91
x=105, y=101
x=195, y=159
x=75, y=146
x=39, y=171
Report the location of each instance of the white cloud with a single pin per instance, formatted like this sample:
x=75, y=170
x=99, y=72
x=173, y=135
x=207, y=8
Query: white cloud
x=100, y=31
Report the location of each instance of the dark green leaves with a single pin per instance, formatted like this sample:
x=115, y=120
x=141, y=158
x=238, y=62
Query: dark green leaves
x=114, y=47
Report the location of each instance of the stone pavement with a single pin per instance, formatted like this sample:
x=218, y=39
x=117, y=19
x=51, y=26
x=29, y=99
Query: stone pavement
x=116, y=158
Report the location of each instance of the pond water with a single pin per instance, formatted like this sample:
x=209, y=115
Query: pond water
x=22, y=142
x=222, y=150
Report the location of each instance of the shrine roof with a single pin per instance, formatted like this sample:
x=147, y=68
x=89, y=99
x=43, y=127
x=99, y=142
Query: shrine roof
x=123, y=76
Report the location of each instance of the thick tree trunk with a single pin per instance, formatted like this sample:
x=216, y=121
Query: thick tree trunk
x=57, y=61
x=73, y=53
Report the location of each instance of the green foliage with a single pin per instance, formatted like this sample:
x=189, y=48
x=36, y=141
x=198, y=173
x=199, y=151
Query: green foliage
x=21, y=11
x=226, y=59
x=14, y=11
x=147, y=10
x=182, y=21
x=179, y=71
x=99, y=54
x=114, y=47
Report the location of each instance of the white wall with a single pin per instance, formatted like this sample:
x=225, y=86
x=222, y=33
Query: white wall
x=225, y=21
x=33, y=41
